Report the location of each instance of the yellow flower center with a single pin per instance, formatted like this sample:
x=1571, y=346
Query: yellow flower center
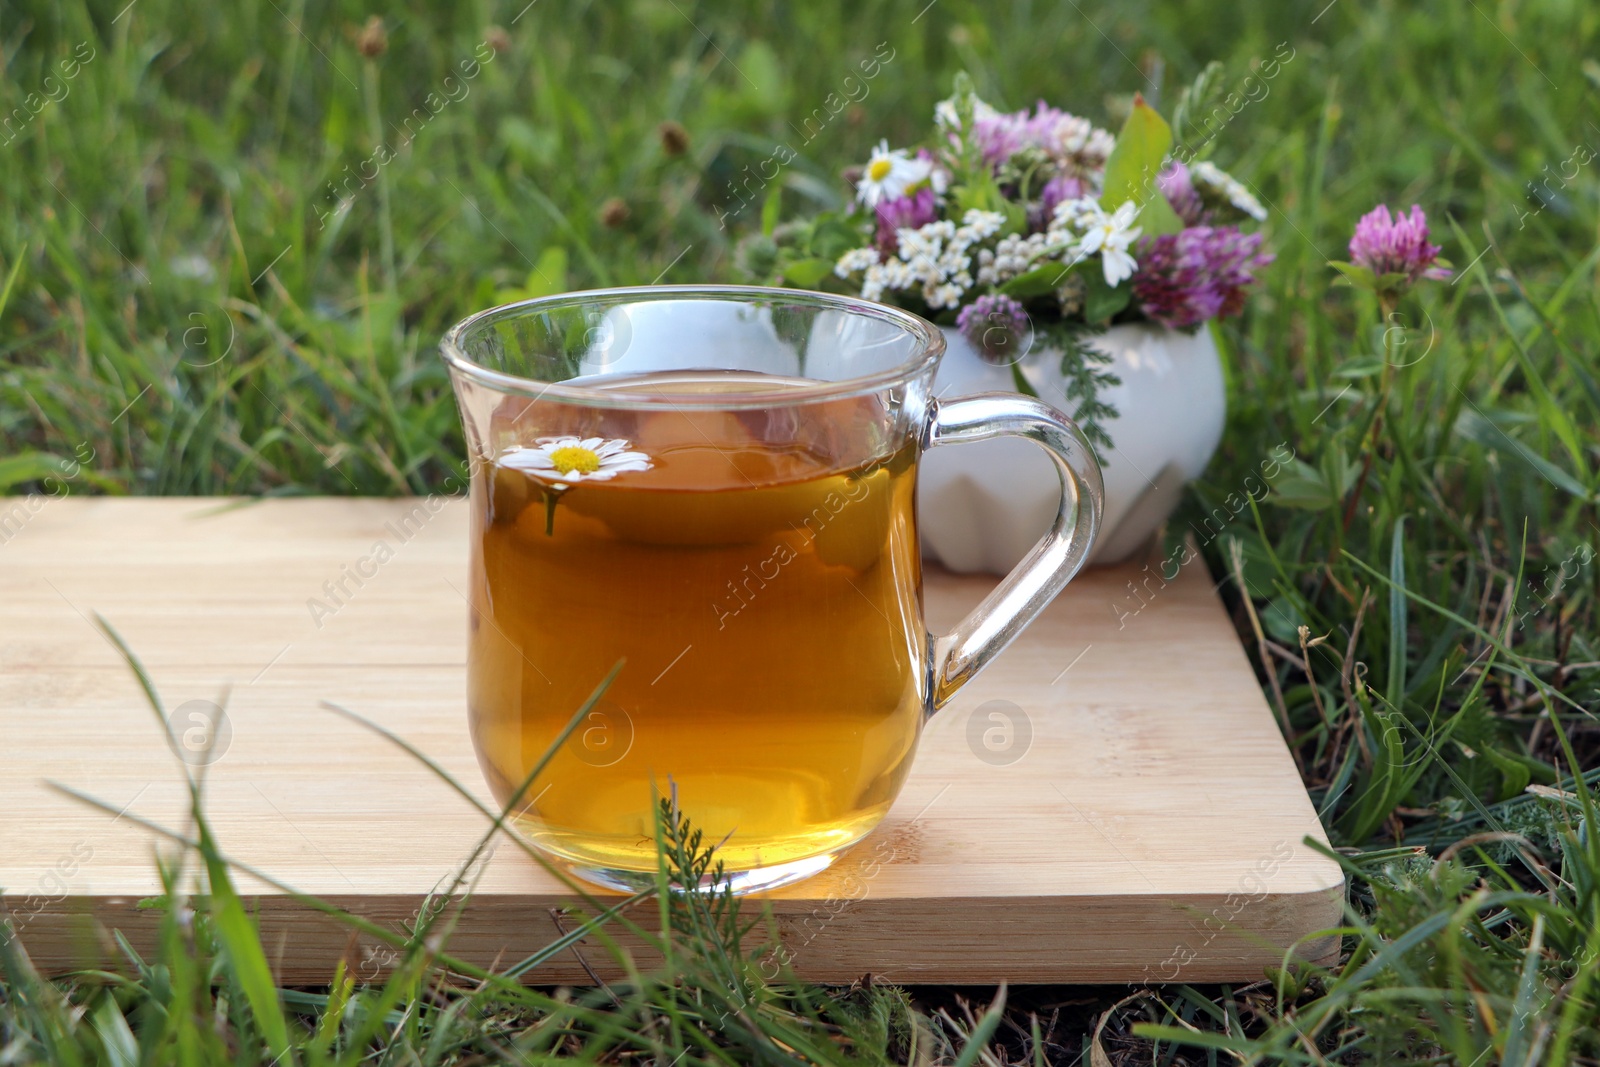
x=879, y=169
x=569, y=458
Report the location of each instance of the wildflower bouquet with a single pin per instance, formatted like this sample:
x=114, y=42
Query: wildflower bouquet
x=1032, y=230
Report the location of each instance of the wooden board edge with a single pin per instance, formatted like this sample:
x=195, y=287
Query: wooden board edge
x=895, y=940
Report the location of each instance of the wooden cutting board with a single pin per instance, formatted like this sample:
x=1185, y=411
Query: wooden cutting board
x=1111, y=801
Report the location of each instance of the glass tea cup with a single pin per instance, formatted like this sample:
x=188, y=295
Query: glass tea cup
x=715, y=485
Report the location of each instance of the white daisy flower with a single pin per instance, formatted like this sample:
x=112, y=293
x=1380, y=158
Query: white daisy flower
x=1110, y=235
x=574, y=459
x=889, y=174
x=1213, y=182
x=1081, y=212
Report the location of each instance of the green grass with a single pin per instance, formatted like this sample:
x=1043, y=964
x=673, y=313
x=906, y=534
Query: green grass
x=175, y=318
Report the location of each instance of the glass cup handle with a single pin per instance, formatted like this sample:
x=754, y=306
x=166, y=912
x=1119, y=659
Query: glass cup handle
x=960, y=654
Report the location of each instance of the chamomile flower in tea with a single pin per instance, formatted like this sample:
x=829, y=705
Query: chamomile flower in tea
x=572, y=459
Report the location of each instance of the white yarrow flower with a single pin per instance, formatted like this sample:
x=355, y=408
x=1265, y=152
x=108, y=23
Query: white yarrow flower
x=936, y=259
x=874, y=282
x=889, y=174
x=1218, y=182
x=1109, y=236
x=855, y=260
x=980, y=225
x=575, y=459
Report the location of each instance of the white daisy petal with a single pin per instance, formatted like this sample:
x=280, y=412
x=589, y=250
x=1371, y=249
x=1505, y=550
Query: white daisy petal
x=1117, y=265
x=526, y=458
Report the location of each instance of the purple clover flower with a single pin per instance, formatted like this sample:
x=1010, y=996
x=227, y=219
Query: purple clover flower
x=1198, y=274
x=905, y=212
x=1059, y=134
x=1386, y=244
x=1057, y=190
x=1176, y=185
x=996, y=325
x=999, y=135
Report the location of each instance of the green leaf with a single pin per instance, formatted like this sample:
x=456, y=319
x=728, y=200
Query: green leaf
x=762, y=75
x=979, y=195
x=1360, y=367
x=1303, y=486
x=1016, y=218
x=1514, y=774
x=548, y=276
x=1197, y=97
x=534, y=147
x=771, y=208
x=1281, y=619
x=1479, y=428
x=243, y=945
x=981, y=192
x=333, y=1012
x=1397, y=613
x=832, y=237
x=11, y=278
x=1101, y=301
x=1019, y=381
x=1350, y=274
x=1523, y=1040
x=978, y=1040
x=115, y=1037
x=1388, y=781
x=1037, y=282
x=30, y=467
x=806, y=273
x=1136, y=159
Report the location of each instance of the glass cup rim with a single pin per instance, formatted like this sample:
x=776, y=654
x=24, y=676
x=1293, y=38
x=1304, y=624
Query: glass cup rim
x=930, y=346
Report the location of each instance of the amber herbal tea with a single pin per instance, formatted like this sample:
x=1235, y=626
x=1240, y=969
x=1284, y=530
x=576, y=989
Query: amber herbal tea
x=757, y=570
x=714, y=486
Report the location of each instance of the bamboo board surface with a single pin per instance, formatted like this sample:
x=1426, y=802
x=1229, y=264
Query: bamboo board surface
x=1138, y=820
